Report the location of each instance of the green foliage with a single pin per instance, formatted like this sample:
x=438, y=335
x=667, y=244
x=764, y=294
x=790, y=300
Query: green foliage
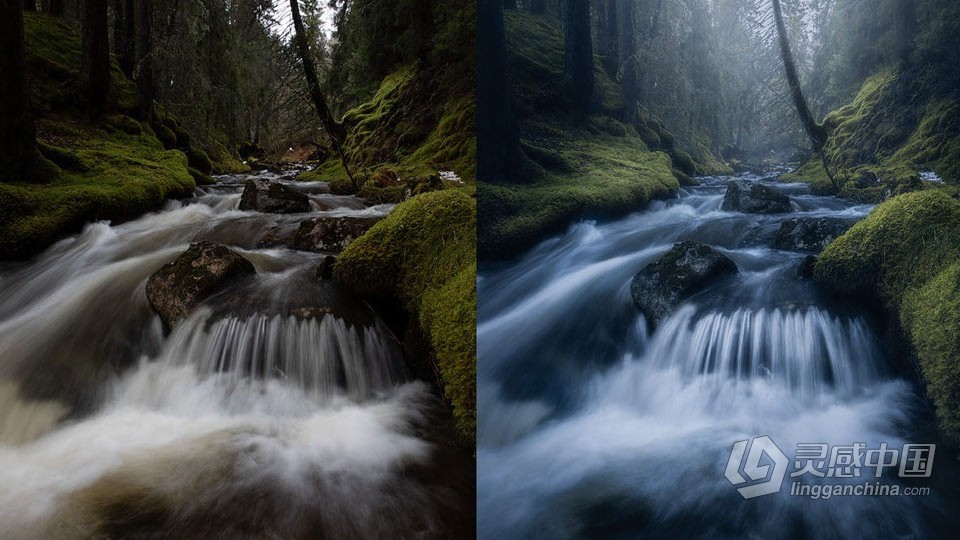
x=423, y=253
x=907, y=254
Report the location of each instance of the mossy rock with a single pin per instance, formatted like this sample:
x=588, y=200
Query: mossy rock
x=683, y=161
x=199, y=160
x=423, y=254
x=166, y=136
x=64, y=158
x=200, y=178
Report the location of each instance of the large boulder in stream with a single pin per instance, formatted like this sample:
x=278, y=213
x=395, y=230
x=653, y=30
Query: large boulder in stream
x=811, y=235
x=684, y=270
x=273, y=198
x=753, y=198
x=330, y=234
x=203, y=270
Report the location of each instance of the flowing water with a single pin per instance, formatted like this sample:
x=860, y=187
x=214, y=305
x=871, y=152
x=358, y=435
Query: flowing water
x=247, y=420
x=592, y=426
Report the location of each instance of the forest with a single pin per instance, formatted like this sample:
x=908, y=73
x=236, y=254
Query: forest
x=237, y=268
x=705, y=221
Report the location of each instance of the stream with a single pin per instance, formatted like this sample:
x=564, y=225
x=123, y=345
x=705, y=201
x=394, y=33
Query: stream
x=592, y=426
x=244, y=421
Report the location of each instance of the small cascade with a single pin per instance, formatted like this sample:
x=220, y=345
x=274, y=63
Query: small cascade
x=323, y=356
x=808, y=351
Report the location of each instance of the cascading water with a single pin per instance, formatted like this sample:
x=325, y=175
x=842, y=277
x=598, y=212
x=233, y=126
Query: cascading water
x=280, y=408
x=591, y=426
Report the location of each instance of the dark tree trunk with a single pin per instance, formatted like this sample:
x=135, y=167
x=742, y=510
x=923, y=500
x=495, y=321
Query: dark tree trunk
x=334, y=129
x=143, y=73
x=538, y=7
x=628, y=66
x=509, y=4
x=498, y=146
x=95, y=67
x=610, y=37
x=29, y=5
x=578, y=55
x=19, y=157
x=815, y=130
x=56, y=7
x=125, y=34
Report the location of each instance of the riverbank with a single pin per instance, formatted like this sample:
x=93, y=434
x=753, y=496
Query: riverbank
x=115, y=169
x=597, y=167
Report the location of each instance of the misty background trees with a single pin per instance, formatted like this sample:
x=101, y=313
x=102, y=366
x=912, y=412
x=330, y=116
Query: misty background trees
x=713, y=69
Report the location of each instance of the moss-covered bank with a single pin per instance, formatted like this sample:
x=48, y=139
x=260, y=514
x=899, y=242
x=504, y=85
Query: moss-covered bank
x=423, y=254
x=594, y=168
x=906, y=254
x=898, y=125
x=404, y=136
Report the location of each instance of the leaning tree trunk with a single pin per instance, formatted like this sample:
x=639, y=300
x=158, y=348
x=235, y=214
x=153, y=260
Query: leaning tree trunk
x=95, y=66
x=334, y=129
x=497, y=138
x=18, y=139
x=578, y=55
x=628, y=69
x=815, y=130
x=143, y=72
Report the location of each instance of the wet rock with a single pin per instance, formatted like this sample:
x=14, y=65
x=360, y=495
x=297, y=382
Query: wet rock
x=811, y=235
x=325, y=268
x=754, y=198
x=805, y=269
x=684, y=270
x=273, y=198
x=201, y=271
x=330, y=234
x=281, y=235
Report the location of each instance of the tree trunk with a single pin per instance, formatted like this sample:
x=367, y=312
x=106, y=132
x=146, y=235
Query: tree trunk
x=125, y=34
x=334, y=129
x=143, y=73
x=19, y=157
x=610, y=35
x=815, y=130
x=56, y=8
x=628, y=68
x=509, y=4
x=30, y=5
x=578, y=55
x=95, y=66
x=538, y=7
x=498, y=146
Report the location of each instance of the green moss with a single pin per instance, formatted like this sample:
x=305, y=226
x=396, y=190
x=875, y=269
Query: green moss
x=906, y=253
x=200, y=177
x=198, y=160
x=931, y=315
x=423, y=253
x=600, y=176
x=122, y=176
